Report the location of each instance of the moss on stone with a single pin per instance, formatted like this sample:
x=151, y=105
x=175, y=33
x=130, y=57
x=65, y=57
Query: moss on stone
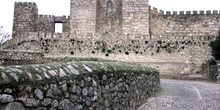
x=83, y=67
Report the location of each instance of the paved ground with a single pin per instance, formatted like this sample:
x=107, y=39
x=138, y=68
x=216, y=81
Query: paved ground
x=185, y=95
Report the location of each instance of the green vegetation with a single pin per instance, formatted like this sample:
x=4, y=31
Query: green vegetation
x=210, y=69
x=216, y=47
x=40, y=73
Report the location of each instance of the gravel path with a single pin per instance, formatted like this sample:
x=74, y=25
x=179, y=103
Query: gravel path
x=185, y=95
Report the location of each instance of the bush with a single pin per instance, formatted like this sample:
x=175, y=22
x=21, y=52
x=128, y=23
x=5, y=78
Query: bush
x=210, y=69
x=216, y=48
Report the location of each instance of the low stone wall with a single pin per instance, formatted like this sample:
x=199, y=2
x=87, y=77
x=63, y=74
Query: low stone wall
x=76, y=85
x=20, y=57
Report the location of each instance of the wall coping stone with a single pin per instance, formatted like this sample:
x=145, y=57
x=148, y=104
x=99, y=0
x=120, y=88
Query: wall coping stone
x=44, y=73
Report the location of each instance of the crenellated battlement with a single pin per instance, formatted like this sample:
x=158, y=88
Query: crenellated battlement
x=45, y=16
x=25, y=4
x=61, y=19
x=154, y=10
x=195, y=12
x=201, y=12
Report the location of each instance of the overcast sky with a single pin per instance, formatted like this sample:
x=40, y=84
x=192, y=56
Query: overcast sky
x=62, y=7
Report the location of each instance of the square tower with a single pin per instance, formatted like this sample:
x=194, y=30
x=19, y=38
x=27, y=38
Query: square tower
x=83, y=16
x=25, y=17
x=97, y=16
x=135, y=17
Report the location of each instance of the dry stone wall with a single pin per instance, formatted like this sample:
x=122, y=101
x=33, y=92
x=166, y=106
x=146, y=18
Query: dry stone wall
x=76, y=85
x=20, y=57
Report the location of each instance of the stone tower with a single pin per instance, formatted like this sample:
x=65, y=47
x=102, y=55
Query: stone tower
x=135, y=17
x=109, y=16
x=83, y=16
x=103, y=16
x=25, y=17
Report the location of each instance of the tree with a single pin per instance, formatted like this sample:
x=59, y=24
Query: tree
x=4, y=36
x=216, y=47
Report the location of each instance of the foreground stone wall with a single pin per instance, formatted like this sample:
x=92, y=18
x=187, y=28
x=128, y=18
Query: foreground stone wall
x=76, y=85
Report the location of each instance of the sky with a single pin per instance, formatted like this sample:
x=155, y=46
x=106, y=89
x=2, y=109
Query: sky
x=62, y=7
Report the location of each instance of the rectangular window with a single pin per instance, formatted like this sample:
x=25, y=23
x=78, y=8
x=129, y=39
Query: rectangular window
x=58, y=27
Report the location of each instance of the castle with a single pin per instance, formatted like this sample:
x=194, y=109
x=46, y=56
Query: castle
x=124, y=30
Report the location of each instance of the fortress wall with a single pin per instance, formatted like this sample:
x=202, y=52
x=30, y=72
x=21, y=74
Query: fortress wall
x=26, y=19
x=66, y=23
x=77, y=85
x=169, y=49
x=173, y=37
x=189, y=24
x=45, y=23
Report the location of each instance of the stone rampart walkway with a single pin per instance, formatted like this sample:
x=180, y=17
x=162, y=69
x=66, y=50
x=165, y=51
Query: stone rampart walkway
x=185, y=95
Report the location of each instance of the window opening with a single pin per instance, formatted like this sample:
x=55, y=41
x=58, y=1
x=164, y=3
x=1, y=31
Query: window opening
x=58, y=27
x=109, y=6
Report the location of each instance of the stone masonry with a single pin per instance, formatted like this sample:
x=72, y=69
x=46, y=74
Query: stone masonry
x=124, y=30
x=135, y=17
x=77, y=86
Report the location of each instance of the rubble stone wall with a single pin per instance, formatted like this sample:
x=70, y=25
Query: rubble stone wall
x=76, y=85
x=21, y=55
x=122, y=48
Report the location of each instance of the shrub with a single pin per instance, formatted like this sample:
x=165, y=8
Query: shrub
x=216, y=47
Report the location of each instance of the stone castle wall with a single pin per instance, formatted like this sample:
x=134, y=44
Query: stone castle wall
x=27, y=19
x=77, y=85
x=184, y=24
x=188, y=53
x=132, y=32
